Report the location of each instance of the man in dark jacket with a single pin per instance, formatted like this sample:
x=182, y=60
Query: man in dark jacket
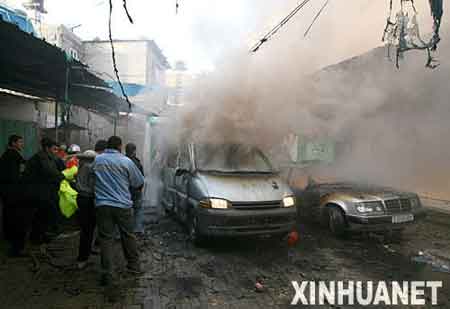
x=11, y=167
x=42, y=180
x=136, y=194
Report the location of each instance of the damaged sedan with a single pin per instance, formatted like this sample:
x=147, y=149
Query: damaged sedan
x=226, y=190
x=346, y=206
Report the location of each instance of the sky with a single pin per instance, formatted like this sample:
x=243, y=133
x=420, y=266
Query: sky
x=203, y=30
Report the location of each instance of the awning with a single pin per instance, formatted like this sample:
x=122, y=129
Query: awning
x=30, y=65
x=33, y=67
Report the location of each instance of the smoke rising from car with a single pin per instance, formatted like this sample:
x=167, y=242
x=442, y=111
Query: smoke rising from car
x=390, y=125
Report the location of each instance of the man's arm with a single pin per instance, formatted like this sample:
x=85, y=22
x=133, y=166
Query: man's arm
x=50, y=170
x=135, y=176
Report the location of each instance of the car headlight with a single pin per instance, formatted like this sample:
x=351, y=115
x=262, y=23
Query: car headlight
x=415, y=202
x=215, y=203
x=288, y=201
x=370, y=208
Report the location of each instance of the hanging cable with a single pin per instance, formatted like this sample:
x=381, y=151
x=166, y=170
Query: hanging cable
x=275, y=29
x=315, y=18
x=116, y=71
x=177, y=6
x=126, y=11
x=403, y=33
x=437, y=10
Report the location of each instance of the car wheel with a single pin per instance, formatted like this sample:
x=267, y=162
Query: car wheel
x=195, y=236
x=336, y=221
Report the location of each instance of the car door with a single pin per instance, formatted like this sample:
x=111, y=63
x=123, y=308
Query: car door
x=182, y=179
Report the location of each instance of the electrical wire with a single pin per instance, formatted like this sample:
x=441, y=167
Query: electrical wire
x=315, y=17
x=126, y=11
x=275, y=29
x=116, y=71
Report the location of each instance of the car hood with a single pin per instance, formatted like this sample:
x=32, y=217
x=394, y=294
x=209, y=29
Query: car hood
x=360, y=193
x=244, y=187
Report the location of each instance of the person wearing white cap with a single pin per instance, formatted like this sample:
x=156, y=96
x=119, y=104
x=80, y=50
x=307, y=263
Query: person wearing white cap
x=85, y=186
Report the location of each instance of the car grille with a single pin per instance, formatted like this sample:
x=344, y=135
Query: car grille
x=373, y=204
x=256, y=205
x=397, y=205
x=406, y=204
x=249, y=221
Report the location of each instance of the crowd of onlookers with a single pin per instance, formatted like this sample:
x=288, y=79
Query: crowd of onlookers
x=109, y=198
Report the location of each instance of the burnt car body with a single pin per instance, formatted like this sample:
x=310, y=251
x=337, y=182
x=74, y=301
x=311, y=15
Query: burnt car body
x=226, y=190
x=346, y=206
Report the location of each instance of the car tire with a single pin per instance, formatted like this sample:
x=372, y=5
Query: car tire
x=198, y=239
x=336, y=221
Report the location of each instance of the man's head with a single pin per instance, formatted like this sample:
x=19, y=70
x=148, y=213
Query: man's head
x=130, y=150
x=49, y=145
x=100, y=146
x=115, y=142
x=16, y=142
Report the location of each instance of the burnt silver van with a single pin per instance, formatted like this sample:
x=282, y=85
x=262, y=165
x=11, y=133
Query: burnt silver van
x=226, y=190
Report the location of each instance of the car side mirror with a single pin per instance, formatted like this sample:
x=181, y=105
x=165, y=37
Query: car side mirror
x=180, y=171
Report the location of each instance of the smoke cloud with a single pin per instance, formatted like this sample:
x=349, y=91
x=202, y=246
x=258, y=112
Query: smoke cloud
x=392, y=124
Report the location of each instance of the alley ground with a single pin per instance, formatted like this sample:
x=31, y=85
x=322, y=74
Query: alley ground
x=178, y=275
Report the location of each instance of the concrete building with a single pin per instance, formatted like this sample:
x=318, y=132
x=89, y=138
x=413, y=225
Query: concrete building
x=142, y=69
x=87, y=126
x=140, y=62
x=64, y=38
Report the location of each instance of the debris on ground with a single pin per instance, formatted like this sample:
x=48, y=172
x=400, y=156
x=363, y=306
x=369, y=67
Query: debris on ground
x=437, y=263
x=259, y=287
x=292, y=238
x=389, y=249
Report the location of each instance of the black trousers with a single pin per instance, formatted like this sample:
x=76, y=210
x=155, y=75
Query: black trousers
x=17, y=219
x=86, y=217
x=45, y=219
x=6, y=224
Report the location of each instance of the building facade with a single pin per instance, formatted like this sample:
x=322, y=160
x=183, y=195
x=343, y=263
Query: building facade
x=140, y=62
x=64, y=38
x=142, y=69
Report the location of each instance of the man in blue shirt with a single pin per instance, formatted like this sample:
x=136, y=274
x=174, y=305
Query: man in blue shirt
x=115, y=174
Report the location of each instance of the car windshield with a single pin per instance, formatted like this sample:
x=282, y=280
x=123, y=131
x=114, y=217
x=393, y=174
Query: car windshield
x=231, y=158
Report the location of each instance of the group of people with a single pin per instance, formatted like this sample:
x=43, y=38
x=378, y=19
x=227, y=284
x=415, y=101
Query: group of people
x=109, y=200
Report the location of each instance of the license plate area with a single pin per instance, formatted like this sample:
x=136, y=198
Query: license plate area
x=402, y=218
